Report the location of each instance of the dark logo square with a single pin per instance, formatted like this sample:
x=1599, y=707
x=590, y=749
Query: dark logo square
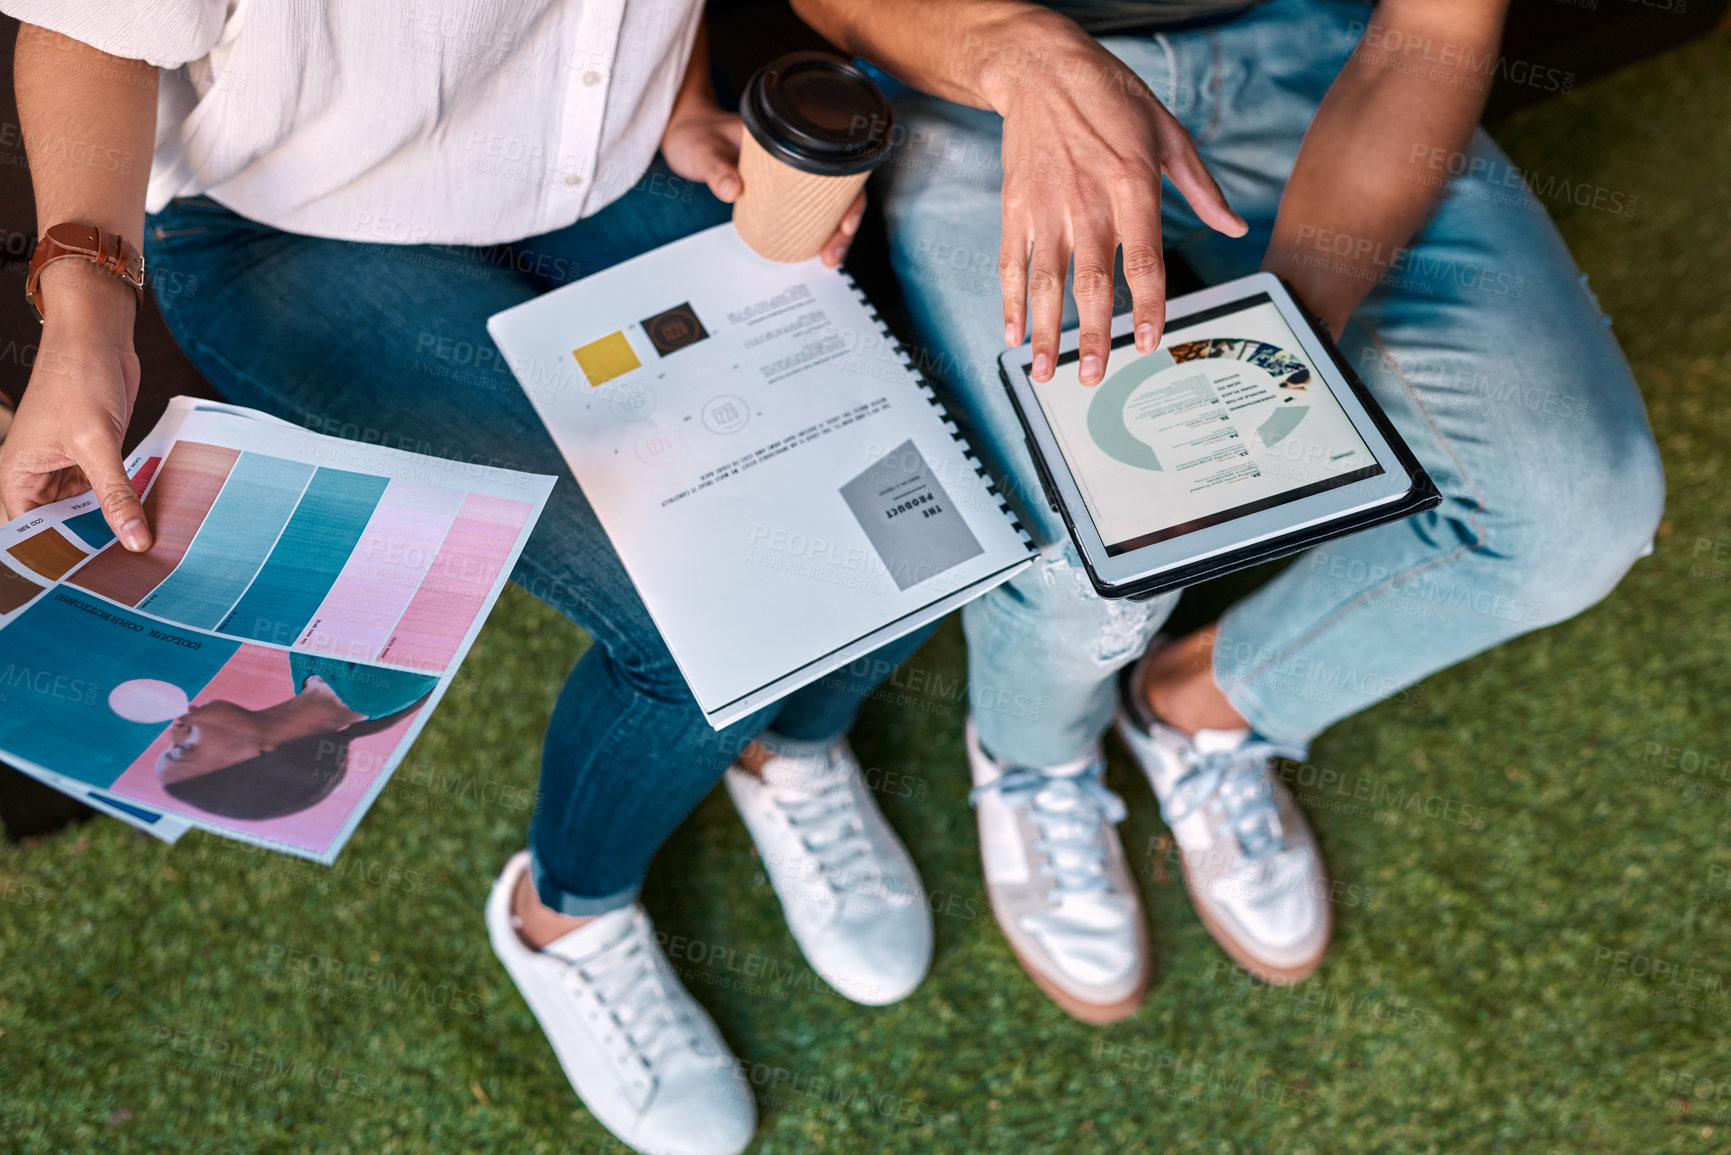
x=674, y=329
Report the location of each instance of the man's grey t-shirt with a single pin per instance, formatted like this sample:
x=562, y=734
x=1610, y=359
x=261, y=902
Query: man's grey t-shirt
x=1115, y=15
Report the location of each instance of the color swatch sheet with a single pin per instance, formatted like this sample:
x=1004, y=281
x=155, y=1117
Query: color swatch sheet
x=785, y=491
x=264, y=667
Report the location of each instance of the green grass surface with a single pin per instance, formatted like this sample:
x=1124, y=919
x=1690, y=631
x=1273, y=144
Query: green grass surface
x=156, y=999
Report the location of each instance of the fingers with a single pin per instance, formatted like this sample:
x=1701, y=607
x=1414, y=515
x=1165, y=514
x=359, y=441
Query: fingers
x=14, y=500
x=24, y=484
x=1137, y=214
x=721, y=174
x=1098, y=204
x=718, y=161
x=725, y=184
x=1046, y=298
x=1013, y=276
x=1092, y=289
x=836, y=247
x=113, y=489
x=1192, y=178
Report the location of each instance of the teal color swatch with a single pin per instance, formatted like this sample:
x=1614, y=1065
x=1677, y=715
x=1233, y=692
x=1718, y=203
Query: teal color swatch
x=233, y=543
x=314, y=548
x=92, y=528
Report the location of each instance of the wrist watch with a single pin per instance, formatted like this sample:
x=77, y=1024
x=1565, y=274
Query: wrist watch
x=70, y=240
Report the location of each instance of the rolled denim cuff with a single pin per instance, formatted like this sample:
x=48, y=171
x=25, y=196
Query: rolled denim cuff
x=569, y=902
x=793, y=747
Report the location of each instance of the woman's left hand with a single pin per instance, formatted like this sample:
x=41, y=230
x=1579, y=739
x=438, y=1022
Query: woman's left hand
x=704, y=146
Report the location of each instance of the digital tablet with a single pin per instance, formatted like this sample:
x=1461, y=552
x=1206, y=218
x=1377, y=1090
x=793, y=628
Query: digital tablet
x=1244, y=437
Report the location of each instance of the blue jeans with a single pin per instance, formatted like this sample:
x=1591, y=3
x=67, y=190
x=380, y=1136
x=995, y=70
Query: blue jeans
x=388, y=344
x=1483, y=343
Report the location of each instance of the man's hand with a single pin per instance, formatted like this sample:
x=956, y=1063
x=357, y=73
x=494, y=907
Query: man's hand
x=66, y=436
x=1085, y=146
x=1083, y=159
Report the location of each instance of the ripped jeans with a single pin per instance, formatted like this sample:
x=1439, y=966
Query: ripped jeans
x=1043, y=650
x=1481, y=342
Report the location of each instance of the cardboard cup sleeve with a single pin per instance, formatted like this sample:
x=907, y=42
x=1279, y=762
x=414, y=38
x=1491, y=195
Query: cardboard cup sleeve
x=785, y=214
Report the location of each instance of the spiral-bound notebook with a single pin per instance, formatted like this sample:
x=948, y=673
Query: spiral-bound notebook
x=784, y=489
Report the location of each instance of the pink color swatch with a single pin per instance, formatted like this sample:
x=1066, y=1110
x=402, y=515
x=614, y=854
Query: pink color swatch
x=456, y=587
x=397, y=549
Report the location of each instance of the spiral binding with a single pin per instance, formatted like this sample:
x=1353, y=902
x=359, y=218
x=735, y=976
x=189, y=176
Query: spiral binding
x=937, y=403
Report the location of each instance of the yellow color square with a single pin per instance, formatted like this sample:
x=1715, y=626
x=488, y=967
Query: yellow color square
x=607, y=358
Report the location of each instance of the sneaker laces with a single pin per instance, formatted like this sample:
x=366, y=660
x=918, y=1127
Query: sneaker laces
x=632, y=987
x=1067, y=809
x=823, y=813
x=1239, y=778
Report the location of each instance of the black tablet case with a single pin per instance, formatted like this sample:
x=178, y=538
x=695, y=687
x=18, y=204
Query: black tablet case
x=1422, y=496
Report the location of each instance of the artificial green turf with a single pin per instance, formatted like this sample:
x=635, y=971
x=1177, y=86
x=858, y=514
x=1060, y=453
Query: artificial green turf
x=156, y=999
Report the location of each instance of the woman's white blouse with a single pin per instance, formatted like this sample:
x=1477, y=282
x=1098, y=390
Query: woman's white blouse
x=437, y=121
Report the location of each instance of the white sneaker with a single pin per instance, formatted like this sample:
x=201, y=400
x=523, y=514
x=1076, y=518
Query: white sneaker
x=850, y=892
x=1058, y=883
x=641, y=1054
x=1250, y=861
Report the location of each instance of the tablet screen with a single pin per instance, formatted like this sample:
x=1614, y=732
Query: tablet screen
x=1226, y=418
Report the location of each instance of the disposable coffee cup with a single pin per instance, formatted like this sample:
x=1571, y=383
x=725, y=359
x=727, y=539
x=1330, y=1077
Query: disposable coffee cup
x=815, y=127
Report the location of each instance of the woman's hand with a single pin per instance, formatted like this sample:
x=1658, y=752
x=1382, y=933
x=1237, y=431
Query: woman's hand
x=66, y=437
x=702, y=144
x=1083, y=157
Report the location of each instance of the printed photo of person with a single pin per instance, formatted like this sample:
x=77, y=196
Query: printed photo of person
x=235, y=762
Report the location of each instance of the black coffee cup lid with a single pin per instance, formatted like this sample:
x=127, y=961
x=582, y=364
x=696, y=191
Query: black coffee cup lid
x=819, y=113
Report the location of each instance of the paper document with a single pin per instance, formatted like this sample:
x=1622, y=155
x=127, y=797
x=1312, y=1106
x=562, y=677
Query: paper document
x=261, y=671
x=785, y=492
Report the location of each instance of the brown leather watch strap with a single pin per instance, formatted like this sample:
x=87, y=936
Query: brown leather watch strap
x=68, y=240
